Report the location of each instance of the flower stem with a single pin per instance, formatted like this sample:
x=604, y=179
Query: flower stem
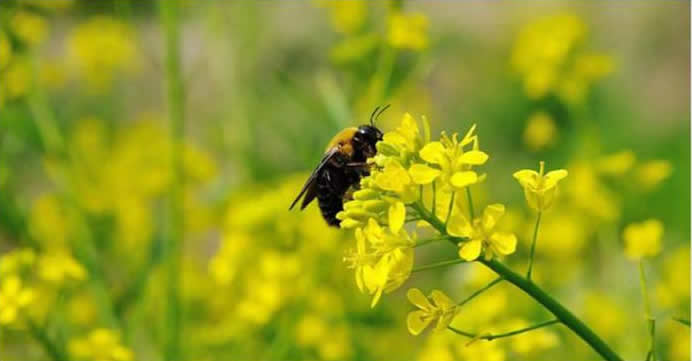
x=422, y=242
x=434, y=199
x=533, y=245
x=491, y=337
x=169, y=17
x=438, y=265
x=557, y=309
x=651, y=322
x=50, y=347
x=485, y=288
x=449, y=211
x=470, y=200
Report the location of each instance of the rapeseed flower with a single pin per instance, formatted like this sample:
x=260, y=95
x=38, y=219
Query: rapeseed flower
x=29, y=27
x=540, y=131
x=14, y=298
x=100, y=344
x=643, y=239
x=481, y=234
x=451, y=162
x=442, y=309
x=540, y=189
x=408, y=31
x=58, y=267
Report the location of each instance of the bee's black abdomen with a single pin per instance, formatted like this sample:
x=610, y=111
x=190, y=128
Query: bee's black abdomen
x=332, y=184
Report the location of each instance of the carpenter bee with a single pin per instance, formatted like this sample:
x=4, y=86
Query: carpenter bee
x=342, y=166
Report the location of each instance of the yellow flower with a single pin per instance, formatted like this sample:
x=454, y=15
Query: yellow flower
x=453, y=163
x=347, y=16
x=540, y=131
x=652, y=173
x=101, y=344
x=482, y=234
x=59, y=266
x=617, y=163
x=14, y=299
x=29, y=27
x=408, y=31
x=17, y=79
x=539, y=189
x=643, y=239
x=16, y=261
x=5, y=50
x=442, y=309
x=101, y=47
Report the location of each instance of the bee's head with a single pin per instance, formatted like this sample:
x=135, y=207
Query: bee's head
x=365, y=139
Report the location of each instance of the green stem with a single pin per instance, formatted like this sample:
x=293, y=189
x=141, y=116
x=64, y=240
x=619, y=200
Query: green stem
x=422, y=242
x=169, y=15
x=491, y=337
x=485, y=288
x=438, y=265
x=651, y=322
x=50, y=347
x=434, y=199
x=470, y=200
x=449, y=211
x=533, y=245
x=682, y=321
x=557, y=309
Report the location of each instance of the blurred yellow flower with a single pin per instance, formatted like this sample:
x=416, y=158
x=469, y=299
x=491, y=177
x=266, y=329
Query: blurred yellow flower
x=540, y=190
x=547, y=54
x=100, y=48
x=540, y=131
x=643, y=239
x=617, y=163
x=482, y=234
x=17, y=78
x=100, y=344
x=5, y=50
x=442, y=309
x=29, y=27
x=650, y=174
x=16, y=261
x=58, y=267
x=49, y=222
x=346, y=16
x=311, y=330
x=408, y=31
x=455, y=163
x=14, y=298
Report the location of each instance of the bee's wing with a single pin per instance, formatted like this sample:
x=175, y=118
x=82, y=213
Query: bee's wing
x=309, y=188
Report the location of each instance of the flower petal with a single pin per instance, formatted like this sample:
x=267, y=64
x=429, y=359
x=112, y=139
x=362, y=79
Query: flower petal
x=441, y=300
x=504, y=243
x=417, y=321
x=553, y=177
x=463, y=179
x=433, y=152
x=397, y=216
x=422, y=174
x=418, y=299
x=491, y=214
x=459, y=226
x=470, y=250
x=474, y=157
x=526, y=177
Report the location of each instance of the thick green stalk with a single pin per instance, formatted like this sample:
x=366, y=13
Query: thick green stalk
x=533, y=245
x=557, y=309
x=51, y=348
x=560, y=312
x=491, y=337
x=169, y=13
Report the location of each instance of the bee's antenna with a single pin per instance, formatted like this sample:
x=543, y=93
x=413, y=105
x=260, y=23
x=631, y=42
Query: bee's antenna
x=382, y=111
x=372, y=116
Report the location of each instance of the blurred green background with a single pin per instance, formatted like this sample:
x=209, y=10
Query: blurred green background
x=87, y=172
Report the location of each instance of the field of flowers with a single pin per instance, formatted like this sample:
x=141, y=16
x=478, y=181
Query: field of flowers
x=530, y=199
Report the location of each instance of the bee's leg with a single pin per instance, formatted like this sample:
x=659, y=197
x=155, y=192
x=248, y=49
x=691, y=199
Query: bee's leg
x=358, y=165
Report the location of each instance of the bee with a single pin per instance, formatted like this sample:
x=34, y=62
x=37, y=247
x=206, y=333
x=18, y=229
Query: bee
x=342, y=166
